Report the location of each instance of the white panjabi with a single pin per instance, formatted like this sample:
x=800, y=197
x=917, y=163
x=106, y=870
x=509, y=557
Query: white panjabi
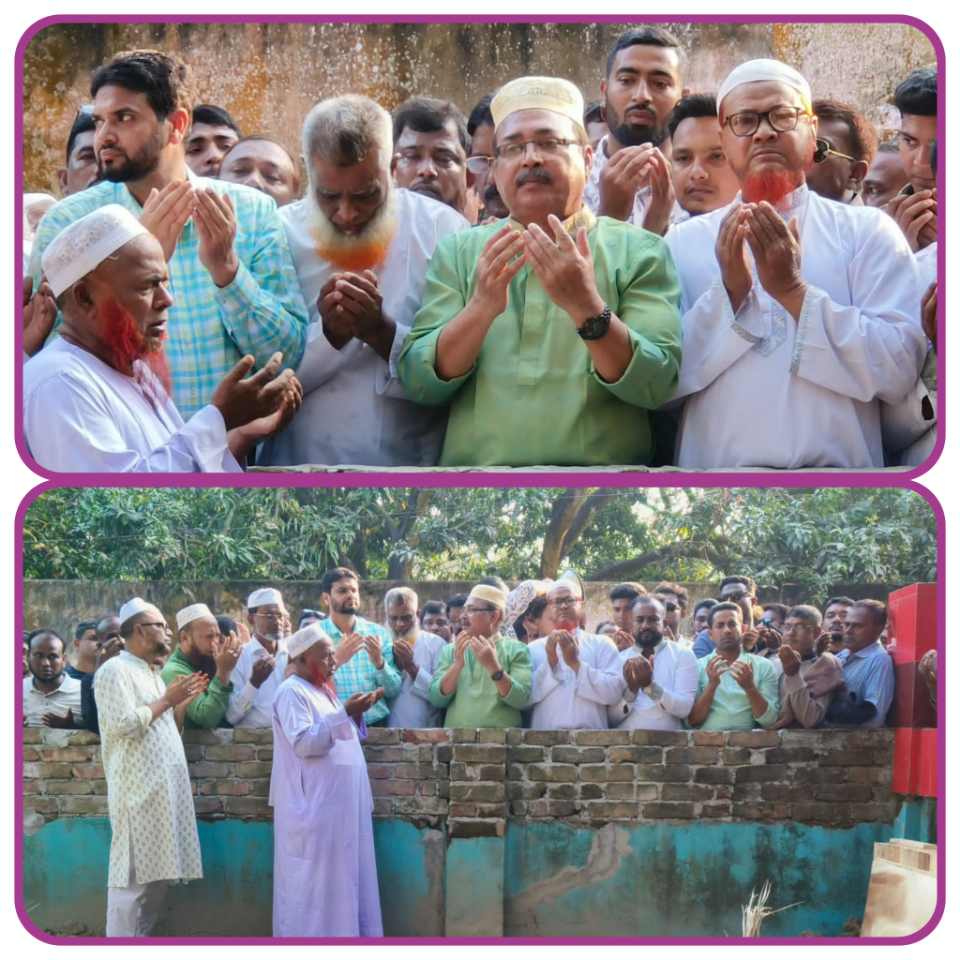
x=86, y=243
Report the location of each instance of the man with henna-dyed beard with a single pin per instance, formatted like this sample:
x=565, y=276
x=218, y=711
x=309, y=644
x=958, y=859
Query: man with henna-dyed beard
x=97, y=399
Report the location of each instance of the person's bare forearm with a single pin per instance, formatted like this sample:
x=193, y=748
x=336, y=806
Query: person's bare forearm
x=758, y=703
x=459, y=343
x=449, y=682
x=611, y=354
x=701, y=709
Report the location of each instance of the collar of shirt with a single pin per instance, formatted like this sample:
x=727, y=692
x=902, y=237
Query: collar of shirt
x=660, y=646
x=582, y=218
x=56, y=689
x=873, y=650
x=281, y=645
x=789, y=204
x=139, y=662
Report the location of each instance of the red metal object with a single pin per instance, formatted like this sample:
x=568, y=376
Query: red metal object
x=915, y=762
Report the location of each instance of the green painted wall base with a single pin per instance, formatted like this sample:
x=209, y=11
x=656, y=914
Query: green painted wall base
x=474, y=905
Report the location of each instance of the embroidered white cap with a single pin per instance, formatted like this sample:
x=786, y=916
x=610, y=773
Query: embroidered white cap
x=754, y=71
x=263, y=597
x=132, y=607
x=304, y=639
x=195, y=611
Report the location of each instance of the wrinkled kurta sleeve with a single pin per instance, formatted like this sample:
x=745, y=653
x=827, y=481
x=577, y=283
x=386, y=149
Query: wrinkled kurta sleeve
x=649, y=307
x=389, y=678
x=117, y=709
x=444, y=661
x=309, y=739
x=798, y=703
x=445, y=295
x=518, y=669
x=768, y=683
x=544, y=679
x=244, y=692
x=678, y=698
x=210, y=708
x=602, y=683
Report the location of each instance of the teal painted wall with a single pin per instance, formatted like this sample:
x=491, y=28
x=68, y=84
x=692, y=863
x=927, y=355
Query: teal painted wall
x=629, y=880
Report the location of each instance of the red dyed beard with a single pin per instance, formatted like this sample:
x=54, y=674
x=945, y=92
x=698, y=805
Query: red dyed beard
x=770, y=185
x=127, y=344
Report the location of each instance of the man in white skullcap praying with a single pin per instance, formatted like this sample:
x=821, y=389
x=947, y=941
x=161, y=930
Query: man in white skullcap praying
x=800, y=314
x=153, y=826
x=324, y=869
x=569, y=318
x=97, y=398
x=201, y=649
x=263, y=661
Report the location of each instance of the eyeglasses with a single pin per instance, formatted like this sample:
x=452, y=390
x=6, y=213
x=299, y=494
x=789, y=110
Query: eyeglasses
x=479, y=609
x=563, y=602
x=479, y=164
x=836, y=153
x=547, y=146
x=781, y=119
x=270, y=616
x=159, y=624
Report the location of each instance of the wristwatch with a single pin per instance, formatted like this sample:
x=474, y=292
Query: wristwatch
x=594, y=328
x=496, y=677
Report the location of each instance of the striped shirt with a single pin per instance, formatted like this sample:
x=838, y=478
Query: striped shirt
x=210, y=328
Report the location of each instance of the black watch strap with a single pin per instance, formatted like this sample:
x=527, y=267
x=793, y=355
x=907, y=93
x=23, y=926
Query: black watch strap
x=596, y=327
x=497, y=677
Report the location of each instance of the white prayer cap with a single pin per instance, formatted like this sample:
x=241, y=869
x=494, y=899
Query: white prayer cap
x=196, y=611
x=304, y=639
x=86, y=243
x=571, y=580
x=488, y=594
x=538, y=93
x=263, y=597
x=132, y=607
x=764, y=70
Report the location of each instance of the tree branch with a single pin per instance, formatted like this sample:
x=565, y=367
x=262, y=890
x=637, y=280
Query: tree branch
x=700, y=550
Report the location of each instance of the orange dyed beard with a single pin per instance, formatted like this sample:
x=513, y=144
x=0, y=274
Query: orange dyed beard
x=353, y=253
x=770, y=185
x=127, y=344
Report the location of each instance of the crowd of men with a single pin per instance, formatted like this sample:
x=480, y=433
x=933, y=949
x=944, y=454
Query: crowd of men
x=495, y=657
x=632, y=274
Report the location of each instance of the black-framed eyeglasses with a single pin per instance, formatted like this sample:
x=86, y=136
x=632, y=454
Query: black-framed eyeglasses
x=781, y=119
x=270, y=616
x=563, y=602
x=159, y=624
x=547, y=146
x=480, y=609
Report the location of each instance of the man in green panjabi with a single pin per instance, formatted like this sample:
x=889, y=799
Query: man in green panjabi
x=483, y=678
x=548, y=335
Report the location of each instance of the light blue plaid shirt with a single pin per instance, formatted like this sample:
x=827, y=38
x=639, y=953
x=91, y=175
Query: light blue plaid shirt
x=210, y=328
x=359, y=675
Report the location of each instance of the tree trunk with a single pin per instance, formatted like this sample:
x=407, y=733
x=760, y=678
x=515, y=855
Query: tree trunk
x=671, y=551
x=569, y=516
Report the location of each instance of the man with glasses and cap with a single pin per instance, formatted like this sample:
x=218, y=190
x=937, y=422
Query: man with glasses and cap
x=482, y=679
x=98, y=397
x=201, y=649
x=324, y=868
x=152, y=821
x=570, y=318
x=576, y=675
x=798, y=309
x=262, y=663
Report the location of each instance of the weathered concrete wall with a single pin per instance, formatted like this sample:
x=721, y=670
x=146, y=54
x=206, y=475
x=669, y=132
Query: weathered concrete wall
x=512, y=832
x=269, y=75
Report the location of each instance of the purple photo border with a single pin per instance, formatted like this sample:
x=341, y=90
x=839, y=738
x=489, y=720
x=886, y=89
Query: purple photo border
x=38, y=934
x=493, y=477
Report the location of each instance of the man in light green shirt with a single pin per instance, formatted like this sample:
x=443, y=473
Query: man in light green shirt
x=483, y=678
x=550, y=334
x=737, y=690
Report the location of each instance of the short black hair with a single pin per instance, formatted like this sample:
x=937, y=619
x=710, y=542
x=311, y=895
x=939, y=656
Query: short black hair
x=748, y=582
x=593, y=112
x=807, y=613
x=877, y=610
x=433, y=606
x=629, y=590
x=335, y=576
x=843, y=601
x=226, y=625
x=214, y=116
x=481, y=115
x=312, y=614
x=457, y=600
x=863, y=134
x=83, y=123
x=780, y=608
x=917, y=94
x=690, y=108
x=718, y=607
x=707, y=602
x=43, y=632
x=494, y=581
x=676, y=589
x=649, y=36
x=430, y=115
x=163, y=79
x=82, y=627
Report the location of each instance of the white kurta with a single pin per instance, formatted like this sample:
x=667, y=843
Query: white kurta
x=411, y=708
x=670, y=697
x=82, y=416
x=65, y=698
x=641, y=200
x=764, y=390
x=564, y=700
x=354, y=409
x=324, y=870
x=251, y=706
x=148, y=784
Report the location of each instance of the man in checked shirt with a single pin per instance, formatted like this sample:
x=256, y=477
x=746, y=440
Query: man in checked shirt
x=235, y=285
x=363, y=649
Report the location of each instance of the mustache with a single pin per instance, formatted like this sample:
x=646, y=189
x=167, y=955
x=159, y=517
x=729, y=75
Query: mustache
x=533, y=175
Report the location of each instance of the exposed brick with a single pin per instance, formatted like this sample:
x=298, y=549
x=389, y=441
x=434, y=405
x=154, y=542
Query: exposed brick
x=265, y=753
x=478, y=792
x=231, y=788
x=664, y=773
x=486, y=810
x=45, y=805
x=253, y=735
x=435, y=735
x=477, y=771
x=518, y=808
x=635, y=754
x=561, y=808
x=606, y=810
x=600, y=738
x=463, y=735
x=83, y=738
x=492, y=735
x=379, y=735
x=873, y=811
x=645, y=791
x=600, y=773
x=393, y=788
x=713, y=775
x=30, y=755
x=426, y=788
x=382, y=807
x=443, y=753
x=562, y=791
x=692, y=755
x=99, y=787
x=761, y=773
x=476, y=828
x=714, y=810
x=754, y=738
x=379, y=771
x=783, y=791
x=389, y=753
x=667, y=738
x=72, y=754
x=817, y=812
x=477, y=753
x=208, y=806
x=622, y=791
x=843, y=793
x=525, y=754
x=48, y=771
x=591, y=791
x=260, y=787
x=208, y=737
x=545, y=738
x=231, y=753
x=733, y=756
x=747, y=791
x=847, y=758
x=462, y=809
x=515, y=736
x=248, y=808
x=193, y=751
x=577, y=754
x=708, y=738
x=253, y=768
x=62, y=788
x=420, y=807
x=206, y=769
x=791, y=755
x=405, y=771
x=552, y=772
x=768, y=810
x=34, y=786
x=79, y=806
x=686, y=791
x=32, y=735
x=812, y=775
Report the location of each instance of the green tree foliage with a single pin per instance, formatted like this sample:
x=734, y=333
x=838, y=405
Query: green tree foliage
x=813, y=538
